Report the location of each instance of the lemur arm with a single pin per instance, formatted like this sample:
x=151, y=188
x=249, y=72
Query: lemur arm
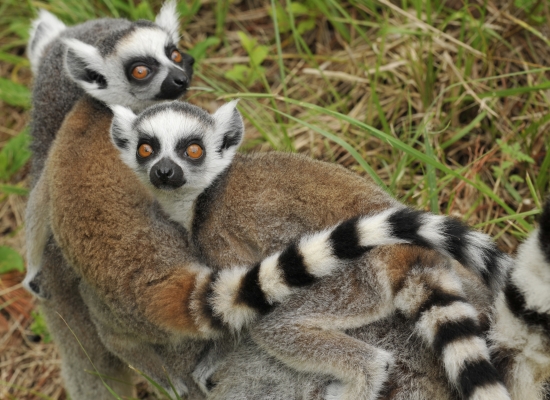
x=37, y=230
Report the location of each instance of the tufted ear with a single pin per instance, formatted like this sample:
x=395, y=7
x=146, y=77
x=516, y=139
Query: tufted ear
x=229, y=126
x=85, y=65
x=121, y=127
x=43, y=31
x=168, y=19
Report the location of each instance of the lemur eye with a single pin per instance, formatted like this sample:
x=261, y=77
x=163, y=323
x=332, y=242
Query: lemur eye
x=145, y=150
x=176, y=56
x=194, y=151
x=140, y=72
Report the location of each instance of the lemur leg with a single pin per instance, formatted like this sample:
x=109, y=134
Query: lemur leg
x=306, y=332
x=37, y=232
x=432, y=296
x=210, y=362
x=362, y=368
x=82, y=352
x=160, y=362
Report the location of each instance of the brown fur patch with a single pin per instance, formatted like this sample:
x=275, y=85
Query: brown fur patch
x=400, y=259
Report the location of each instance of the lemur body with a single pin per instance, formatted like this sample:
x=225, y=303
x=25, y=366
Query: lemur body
x=97, y=59
x=239, y=212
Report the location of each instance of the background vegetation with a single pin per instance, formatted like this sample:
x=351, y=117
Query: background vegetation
x=444, y=103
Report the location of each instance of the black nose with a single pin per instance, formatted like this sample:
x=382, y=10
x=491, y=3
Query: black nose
x=166, y=175
x=181, y=81
x=164, y=172
x=174, y=85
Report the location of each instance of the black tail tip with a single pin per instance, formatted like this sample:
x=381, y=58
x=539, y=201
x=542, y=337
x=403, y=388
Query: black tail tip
x=544, y=233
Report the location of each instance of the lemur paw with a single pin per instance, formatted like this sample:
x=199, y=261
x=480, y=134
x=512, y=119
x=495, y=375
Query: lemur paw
x=334, y=391
x=32, y=284
x=202, y=376
x=379, y=372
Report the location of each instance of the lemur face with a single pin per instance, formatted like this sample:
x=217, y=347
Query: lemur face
x=136, y=66
x=177, y=146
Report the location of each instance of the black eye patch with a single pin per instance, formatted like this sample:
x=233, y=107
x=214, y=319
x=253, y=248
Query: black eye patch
x=151, y=141
x=184, y=143
x=150, y=63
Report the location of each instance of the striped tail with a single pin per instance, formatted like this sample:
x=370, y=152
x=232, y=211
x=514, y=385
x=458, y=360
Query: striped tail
x=449, y=324
x=522, y=319
x=474, y=250
x=433, y=299
x=237, y=296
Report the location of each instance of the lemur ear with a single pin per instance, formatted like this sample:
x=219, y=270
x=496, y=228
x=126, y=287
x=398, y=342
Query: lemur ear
x=85, y=65
x=121, y=126
x=43, y=30
x=229, y=126
x=168, y=19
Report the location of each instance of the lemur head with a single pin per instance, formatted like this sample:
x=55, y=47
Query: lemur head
x=177, y=146
x=134, y=66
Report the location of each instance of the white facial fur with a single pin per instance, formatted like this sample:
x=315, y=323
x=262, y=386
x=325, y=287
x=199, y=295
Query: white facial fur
x=170, y=126
x=144, y=42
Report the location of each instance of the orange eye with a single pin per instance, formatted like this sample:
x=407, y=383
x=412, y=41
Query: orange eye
x=140, y=72
x=176, y=56
x=145, y=150
x=194, y=151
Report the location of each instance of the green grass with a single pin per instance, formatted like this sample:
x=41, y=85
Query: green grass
x=445, y=108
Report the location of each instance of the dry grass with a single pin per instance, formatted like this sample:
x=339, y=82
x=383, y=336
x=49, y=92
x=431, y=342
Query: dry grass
x=447, y=83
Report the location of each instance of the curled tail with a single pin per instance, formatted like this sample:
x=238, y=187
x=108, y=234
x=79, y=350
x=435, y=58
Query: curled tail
x=433, y=299
x=44, y=30
x=450, y=325
x=235, y=297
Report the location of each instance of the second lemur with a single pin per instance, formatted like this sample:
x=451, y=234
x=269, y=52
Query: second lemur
x=180, y=146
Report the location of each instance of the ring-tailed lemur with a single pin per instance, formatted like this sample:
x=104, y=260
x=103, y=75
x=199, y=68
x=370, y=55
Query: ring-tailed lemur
x=180, y=151
x=258, y=205
x=94, y=51
x=114, y=60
